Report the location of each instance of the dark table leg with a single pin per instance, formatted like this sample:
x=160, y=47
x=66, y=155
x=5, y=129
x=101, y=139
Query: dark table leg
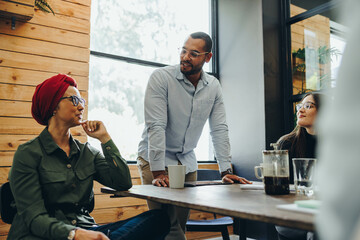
x=242, y=230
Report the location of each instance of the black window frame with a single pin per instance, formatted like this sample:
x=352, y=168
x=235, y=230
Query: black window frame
x=287, y=21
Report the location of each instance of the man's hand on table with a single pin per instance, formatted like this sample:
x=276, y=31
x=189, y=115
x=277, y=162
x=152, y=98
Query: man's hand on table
x=161, y=179
x=231, y=178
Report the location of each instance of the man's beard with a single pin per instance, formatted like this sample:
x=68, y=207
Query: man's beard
x=194, y=69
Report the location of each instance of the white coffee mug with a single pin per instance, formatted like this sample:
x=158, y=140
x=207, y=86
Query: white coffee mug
x=177, y=175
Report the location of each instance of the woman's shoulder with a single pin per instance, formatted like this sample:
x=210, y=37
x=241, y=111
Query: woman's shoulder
x=32, y=145
x=286, y=141
x=28, y=151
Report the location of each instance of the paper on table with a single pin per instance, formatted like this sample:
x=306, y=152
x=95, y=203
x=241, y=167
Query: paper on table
x=296, y=208
x=204, y=183
x=259, y=186
x=311, y=203
x=253, y=186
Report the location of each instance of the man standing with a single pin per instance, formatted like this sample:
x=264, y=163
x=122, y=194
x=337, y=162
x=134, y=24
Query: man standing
x=178, y=101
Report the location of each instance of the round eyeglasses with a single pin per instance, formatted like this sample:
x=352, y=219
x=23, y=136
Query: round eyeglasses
x=192, y=54
x=75, y=100
x=306, y=105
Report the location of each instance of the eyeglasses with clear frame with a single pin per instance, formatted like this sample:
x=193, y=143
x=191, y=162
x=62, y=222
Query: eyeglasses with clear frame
x=75, y=100
x=306, y=105
x=193, y=54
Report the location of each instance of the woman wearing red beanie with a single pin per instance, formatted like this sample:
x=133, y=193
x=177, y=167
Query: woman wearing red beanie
x=52, y=175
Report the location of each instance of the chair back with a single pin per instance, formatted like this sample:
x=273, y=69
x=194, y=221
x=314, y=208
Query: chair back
x=208, y=174
x=7, y=203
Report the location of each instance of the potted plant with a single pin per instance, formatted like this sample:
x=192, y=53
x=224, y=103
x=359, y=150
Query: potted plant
x=313, y=61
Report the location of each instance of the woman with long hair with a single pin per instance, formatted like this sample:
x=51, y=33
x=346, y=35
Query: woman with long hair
x=302, y=141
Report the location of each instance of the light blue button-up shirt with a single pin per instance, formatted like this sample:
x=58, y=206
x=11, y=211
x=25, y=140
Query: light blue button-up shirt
x=175, y=114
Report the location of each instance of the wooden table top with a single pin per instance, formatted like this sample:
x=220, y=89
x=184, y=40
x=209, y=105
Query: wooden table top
x=228, y=200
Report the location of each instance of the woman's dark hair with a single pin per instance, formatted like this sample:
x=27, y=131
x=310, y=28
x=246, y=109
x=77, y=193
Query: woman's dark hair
x=205, y=37
x=297, y=136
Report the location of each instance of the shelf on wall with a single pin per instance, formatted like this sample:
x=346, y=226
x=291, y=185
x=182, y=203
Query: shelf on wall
x=17, y=9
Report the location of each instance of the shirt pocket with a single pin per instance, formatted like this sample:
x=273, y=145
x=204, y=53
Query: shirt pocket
x=204, y=108
x=53, y=185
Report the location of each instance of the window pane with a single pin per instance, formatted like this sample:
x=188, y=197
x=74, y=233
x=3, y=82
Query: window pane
x=151, y=30
x=336, y=42
x=313, y=55
x=116, y=97
x=204, y=150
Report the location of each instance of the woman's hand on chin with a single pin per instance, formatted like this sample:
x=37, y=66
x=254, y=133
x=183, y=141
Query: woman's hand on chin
x=96, y=129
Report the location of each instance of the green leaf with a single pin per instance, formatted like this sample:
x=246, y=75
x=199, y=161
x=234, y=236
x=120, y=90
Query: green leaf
x=44, y=6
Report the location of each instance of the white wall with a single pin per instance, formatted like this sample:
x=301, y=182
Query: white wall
x=242, y=79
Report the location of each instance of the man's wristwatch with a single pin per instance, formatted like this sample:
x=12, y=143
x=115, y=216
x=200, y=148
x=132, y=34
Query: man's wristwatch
x=228, y=171
x=71, y=235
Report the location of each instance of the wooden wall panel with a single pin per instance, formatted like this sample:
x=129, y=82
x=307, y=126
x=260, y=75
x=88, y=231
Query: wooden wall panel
x=81, y=2
x=104, y=201
x=61, y=22
x=108, y=215
x=45, y=33
x=41, y=63
x=16, y=92
x=8, y=143
x=15, y=109
x=4, y=172
x=22, y=92
x=6, y=159
x=43, y=48
x=12, y=142
x=20, y=77
x=4, y=229
x=18, y=109
x=71, y=9
x=27, y=126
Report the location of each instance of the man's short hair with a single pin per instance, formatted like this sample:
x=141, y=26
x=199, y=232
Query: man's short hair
x=205, y=37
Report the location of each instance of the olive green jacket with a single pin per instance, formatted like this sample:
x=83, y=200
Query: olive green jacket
x=53, y=192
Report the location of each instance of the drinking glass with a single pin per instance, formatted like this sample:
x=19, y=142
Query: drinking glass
x=304, y=175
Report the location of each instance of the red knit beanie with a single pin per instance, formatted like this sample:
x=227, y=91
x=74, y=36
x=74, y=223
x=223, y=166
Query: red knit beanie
x=47, y=96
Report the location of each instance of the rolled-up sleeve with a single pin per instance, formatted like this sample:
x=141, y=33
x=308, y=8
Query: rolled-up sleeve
x=155, y=108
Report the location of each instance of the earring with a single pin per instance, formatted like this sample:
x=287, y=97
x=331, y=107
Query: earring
x=54, y=113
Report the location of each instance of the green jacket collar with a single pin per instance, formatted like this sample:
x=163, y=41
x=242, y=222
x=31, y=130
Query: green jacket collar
x=50, y=146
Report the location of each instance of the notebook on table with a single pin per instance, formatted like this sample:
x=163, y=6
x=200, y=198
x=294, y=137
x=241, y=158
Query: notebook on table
x=204, y=183
x=305, y=206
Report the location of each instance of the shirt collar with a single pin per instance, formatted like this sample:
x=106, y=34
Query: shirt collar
x=50, y=146
x=180, y=76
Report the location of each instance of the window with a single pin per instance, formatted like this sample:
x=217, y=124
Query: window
x=129, y=40
x=314, y=46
